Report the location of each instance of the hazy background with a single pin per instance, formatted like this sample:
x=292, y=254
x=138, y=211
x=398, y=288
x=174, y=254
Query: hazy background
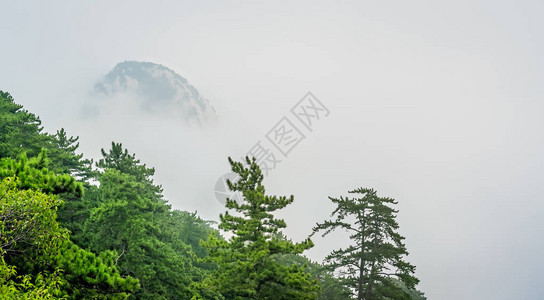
x=436, y=105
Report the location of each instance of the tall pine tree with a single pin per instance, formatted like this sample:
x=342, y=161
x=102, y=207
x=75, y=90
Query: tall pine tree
x=66, y=160
x=247, y=267
x=376, y=254
x=20, y=130
x=132, y=218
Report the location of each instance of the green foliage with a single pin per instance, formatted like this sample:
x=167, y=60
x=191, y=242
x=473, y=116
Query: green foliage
x=376, y=253
x=75, y=211
x=126, y=220
x=413, y=293
x=34, y=174
x=331, y=287
x=38, y=248
x=21, y=134
x=16, y=287
x=190, y=229
x=132, y=218
x=119, y=159
x=89, y=276
x=20, y=131
x=66, y=160
x=28, y=231
x=76, y=207
x=28, y=221
x=246, y=268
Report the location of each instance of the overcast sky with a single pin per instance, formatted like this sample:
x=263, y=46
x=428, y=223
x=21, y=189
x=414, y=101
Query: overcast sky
x=437, y=105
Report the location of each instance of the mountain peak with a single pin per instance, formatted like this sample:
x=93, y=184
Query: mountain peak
x=156, y=88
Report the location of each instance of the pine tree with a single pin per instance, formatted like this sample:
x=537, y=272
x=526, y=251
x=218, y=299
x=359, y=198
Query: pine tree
x=246, y=264
x=20, y=130
x=33, y=173
x=375, y=256
x=331, y=286
x=119, y=159
x=131, y=218
x=190, y=229
x=64, y=158
x=21, y=134
x=38, y=258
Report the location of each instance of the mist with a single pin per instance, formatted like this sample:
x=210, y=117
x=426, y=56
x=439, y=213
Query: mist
x=435, y=105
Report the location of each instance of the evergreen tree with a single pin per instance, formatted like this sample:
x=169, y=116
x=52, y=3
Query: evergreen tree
x=132, y=218
x=246, y=264
x=376, y=254
x=21, y=134
x=119, y=159
x=190, y=229
x=38, y=259
x=75, y=212
x=76, y=208
x=34, y=174
x=414, y=293
x=331, y=287
x=152, y=238
x=64, y=158
x=20, y=131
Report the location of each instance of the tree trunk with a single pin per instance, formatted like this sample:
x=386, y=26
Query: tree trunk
x=373, y=268
x=362, y=259
x=370, y=282
x=360, y=287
